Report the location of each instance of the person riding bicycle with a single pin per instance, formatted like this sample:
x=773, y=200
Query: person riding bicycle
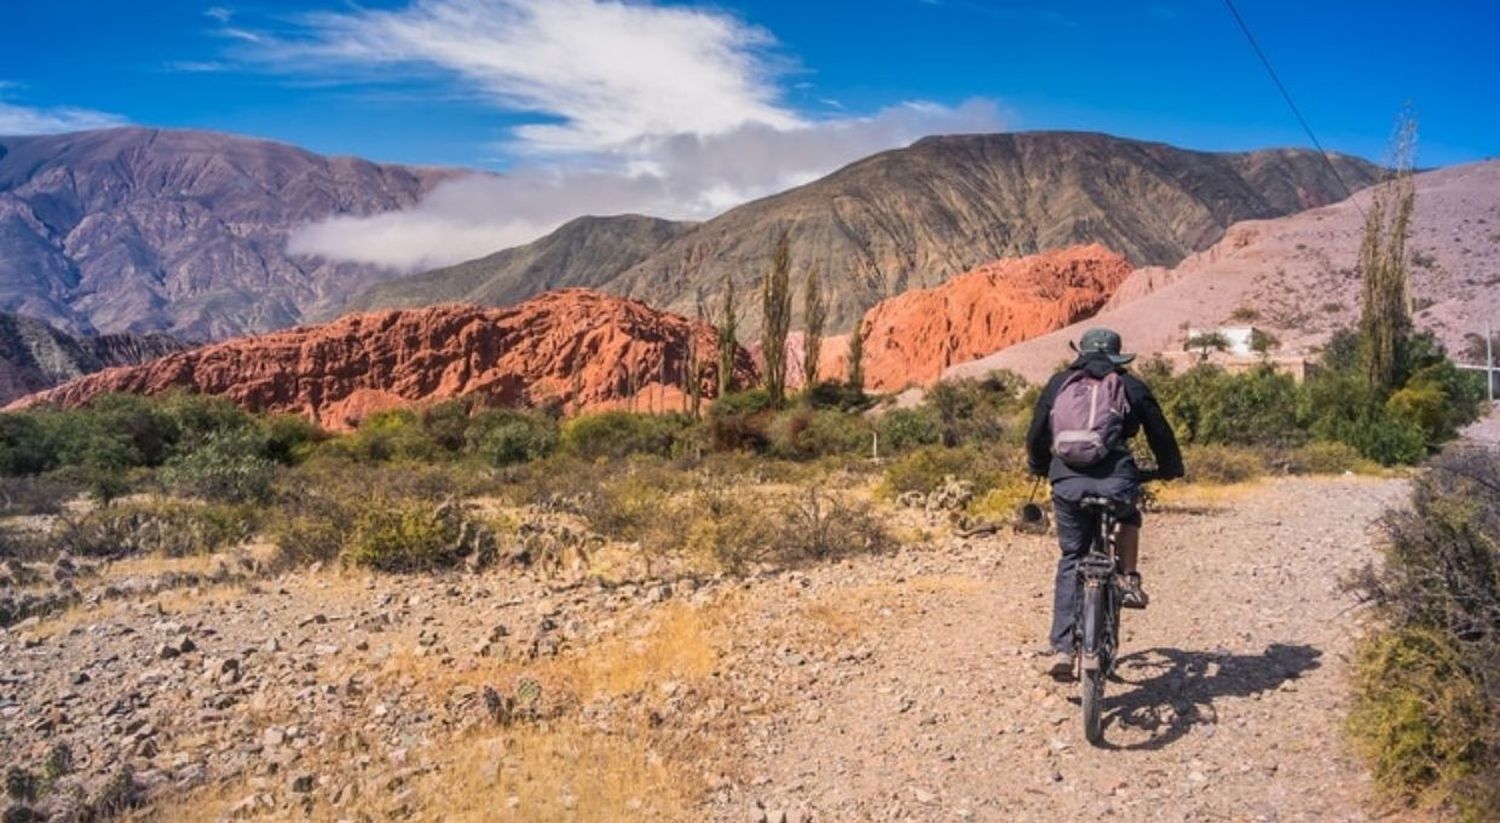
x=1078, y=439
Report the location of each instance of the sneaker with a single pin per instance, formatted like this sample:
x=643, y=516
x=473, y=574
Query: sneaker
x=1059, y=665
x=1132, y=595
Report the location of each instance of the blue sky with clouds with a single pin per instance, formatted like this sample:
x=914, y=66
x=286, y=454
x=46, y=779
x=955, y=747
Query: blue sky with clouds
x=683, y=109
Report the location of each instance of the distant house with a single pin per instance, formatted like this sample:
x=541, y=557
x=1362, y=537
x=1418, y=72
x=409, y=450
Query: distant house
x=1237, y=340
x=1233, y=349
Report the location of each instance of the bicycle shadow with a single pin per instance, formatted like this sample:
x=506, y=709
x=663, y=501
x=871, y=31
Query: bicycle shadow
x=1169, y=691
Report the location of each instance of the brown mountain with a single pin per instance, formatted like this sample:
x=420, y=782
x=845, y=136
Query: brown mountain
x=1293, y=278
x=143, y=230
x=914, y=217
x=35, y=356
x=577, y=348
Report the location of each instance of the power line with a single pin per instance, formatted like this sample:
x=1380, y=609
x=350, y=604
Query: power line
x=1287, y=96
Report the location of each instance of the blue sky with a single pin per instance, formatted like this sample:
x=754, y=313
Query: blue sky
x=1174, y=71
x=683, y=109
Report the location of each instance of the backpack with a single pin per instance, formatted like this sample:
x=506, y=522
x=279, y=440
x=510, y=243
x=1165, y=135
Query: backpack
x=1088, y=418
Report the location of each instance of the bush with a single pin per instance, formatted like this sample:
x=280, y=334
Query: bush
x=291, y=439
x=316, y=506
x=402, y=535
x=975, y=412
x=800, y=434
x=1221, y=464
x=24, y=449
x=228, y=466
x=925, y=469
x=1427, y=684
x=504, y=437
x=396, y=434
x=739, y=421
x=1326, y=458
x=616, y=434
x=168, y=528
x=905, y=429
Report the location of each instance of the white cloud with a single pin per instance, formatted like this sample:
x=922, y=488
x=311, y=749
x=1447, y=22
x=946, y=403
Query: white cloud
x=607, y=72
x=673, y=111
x=684, y=176
x=18, y=119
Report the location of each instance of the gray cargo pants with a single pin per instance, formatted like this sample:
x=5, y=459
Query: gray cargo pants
x=1076, y=527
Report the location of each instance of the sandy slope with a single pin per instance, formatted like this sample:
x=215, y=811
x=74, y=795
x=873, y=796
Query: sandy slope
x=1296, y=274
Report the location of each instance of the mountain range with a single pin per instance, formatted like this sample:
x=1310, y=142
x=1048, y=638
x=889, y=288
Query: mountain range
x=35, y=356
x=148, y=230
x=912, y=218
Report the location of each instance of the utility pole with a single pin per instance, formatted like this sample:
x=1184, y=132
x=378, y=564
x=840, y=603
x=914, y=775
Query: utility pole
x=1489, y=359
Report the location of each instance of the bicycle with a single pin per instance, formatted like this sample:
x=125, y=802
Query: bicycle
x=1096, y=625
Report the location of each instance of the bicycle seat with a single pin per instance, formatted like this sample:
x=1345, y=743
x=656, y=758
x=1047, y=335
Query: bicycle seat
x=1118, y=508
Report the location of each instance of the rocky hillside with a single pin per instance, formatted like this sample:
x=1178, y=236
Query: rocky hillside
x=909, y=339
x=1294, y=277
x=35, y=356
x=913, y=217
x=142, y=230
x=577, y=348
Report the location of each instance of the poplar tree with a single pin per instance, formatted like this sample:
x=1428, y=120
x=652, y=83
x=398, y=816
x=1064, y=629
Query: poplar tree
x=776, y=308
x=815, y=317
x=1385, y=323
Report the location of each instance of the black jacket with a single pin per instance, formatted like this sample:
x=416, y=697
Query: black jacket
x=1145, y=413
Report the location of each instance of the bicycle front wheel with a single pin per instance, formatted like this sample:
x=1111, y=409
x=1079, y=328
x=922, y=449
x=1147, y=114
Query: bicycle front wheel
x=1092, y=683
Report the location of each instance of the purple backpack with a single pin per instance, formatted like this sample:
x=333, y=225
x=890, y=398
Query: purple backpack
x=1088, y=418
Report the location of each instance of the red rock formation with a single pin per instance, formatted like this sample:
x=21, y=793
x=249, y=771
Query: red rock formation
x=909, y=339
x=580, y=348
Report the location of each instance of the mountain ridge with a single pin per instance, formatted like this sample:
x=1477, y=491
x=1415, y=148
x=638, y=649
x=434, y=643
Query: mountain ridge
x=913, y=217
x=140, y=230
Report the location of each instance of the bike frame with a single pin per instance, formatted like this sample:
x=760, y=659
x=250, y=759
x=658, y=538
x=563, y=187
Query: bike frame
x=1099, y=609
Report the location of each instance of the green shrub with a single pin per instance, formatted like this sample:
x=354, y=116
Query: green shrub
x=195, y=417
x=739, y=421
x=401, y=535
x=836, y=395
x=392, y=435
x=228, y=465
x=1427, y=681
x=1341, y=407
x=800, y=434
x=905, y=429
x=925, y=469
x=1221, y=464
x=503, y=437
x=975, y=412
x=168, y=528
x=616, y=434
x=1324, y=457
x=24, y=449
x=291, y=438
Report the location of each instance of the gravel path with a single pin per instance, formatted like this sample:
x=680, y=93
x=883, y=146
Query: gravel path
x=1231, y=707
x=897, y=687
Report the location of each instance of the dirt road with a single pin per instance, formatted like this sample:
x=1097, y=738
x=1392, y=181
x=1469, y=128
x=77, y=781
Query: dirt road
x=1233, y=694
x=892, y=687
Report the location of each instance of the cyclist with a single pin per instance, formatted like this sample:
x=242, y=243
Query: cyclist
x=1096, y=407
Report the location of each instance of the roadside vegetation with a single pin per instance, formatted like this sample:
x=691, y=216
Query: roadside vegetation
x=1427, y=682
